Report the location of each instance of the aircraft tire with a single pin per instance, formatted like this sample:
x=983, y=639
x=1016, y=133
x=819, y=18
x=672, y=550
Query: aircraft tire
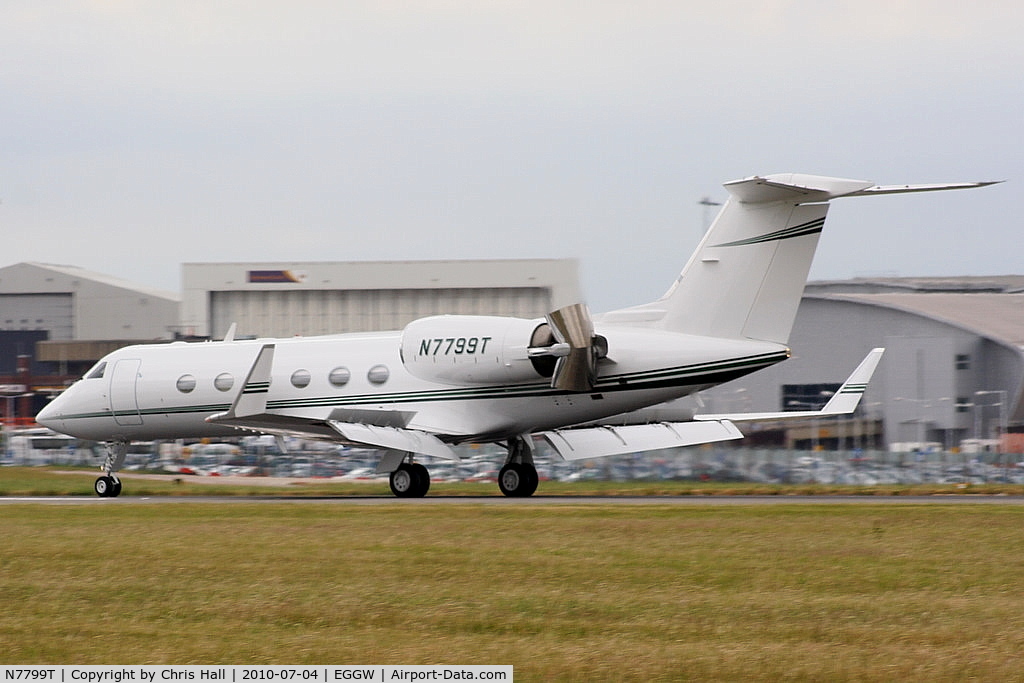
x=104, y=486
x=532, y=480
x=409, y=481
x=115, y=489
x=518, y=480
x=424, y=479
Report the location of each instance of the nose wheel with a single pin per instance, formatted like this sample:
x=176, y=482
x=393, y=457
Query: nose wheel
x=107, y=486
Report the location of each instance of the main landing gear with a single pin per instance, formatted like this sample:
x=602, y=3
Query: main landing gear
x=410, y=480
x=518, y=478
x=109, y=486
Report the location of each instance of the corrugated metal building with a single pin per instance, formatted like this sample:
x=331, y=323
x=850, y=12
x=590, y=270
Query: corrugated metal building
x=953, y=368
x=286, y=299
x=76, y=304
x=55, y=321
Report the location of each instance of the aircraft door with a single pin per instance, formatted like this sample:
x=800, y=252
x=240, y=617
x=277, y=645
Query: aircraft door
x=124, y=400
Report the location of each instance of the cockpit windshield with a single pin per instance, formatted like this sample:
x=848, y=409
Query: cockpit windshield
x=97, y=371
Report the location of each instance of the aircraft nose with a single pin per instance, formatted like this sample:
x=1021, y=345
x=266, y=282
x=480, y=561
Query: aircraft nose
x=50, y=415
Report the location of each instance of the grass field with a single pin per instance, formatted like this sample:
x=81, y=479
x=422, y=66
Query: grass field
x=564, y=592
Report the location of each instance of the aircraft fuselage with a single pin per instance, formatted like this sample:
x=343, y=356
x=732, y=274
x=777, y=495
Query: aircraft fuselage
x=166, y=391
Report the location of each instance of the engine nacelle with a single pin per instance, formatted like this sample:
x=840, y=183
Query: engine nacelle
x=468, y=350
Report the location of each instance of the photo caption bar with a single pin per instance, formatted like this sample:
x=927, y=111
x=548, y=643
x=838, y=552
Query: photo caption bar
x=253, y=674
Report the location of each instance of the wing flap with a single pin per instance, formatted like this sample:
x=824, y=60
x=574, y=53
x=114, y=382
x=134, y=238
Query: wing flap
x=598, y=442
x=393, y=438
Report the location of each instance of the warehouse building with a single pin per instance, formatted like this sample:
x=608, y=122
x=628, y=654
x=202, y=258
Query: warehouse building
x=55, y=321
x=286, y=299
x=953, y=371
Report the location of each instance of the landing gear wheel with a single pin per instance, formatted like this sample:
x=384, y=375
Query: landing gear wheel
x=424, y=477
x=107, y=486
x=410, y=481
x=532, y=480
x=518, y=480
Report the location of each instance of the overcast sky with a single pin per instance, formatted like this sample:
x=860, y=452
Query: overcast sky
x=140, y=135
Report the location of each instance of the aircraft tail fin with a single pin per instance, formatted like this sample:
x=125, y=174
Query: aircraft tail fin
x=747, y=275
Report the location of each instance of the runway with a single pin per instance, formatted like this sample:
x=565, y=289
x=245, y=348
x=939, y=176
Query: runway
x=534, y=501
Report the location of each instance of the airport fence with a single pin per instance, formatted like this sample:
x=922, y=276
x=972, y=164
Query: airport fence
x=705, y=463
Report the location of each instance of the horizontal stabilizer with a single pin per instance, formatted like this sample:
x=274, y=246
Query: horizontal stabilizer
x=597, y=442
x=935, y=187
x=408, y=440
x=800, y=188
x=795, y=188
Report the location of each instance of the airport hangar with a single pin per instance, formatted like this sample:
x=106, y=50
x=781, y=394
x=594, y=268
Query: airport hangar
x=57, y=321
x=953, y=370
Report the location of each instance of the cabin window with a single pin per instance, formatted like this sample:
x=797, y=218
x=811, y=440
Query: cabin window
x=300, y=379
x=378, y=374
x=186, y=383
x=97, y=372
x=224, y=381
x=339, y=377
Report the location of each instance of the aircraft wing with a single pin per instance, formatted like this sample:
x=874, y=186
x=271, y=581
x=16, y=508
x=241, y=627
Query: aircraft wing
x=611, y=438
x=353, y=433
x=843, y=402
x=597, y=442
x=377, y=429
x=393, y=438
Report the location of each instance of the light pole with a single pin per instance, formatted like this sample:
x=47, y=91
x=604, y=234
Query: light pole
x=1001, y=393
x=814, y=420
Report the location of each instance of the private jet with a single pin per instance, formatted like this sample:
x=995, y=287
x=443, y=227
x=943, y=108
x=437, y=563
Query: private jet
x=585, y=384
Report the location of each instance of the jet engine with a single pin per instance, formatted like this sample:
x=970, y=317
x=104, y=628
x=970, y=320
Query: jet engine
x=470, y=350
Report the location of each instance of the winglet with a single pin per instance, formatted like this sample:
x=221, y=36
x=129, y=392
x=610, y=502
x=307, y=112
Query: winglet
x=843, y=402
x=252, y=399
x=848, y=397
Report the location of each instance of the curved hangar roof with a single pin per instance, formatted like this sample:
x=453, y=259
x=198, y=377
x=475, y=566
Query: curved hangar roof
x=992, y=307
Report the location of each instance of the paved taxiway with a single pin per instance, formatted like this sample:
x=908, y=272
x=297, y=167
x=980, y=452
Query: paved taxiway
x=539, y=500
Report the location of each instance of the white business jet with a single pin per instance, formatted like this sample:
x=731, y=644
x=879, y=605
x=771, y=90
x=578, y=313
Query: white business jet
x=443, y=380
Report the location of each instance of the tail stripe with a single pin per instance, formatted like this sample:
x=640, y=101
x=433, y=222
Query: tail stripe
x=808, y=228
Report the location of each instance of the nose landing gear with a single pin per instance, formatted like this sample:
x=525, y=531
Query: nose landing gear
x=109, y=486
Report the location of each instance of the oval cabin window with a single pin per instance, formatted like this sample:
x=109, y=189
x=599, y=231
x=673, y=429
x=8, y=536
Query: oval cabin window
x=378, y=374
x=186, y=383
x=339, y=377
x=300, y=379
